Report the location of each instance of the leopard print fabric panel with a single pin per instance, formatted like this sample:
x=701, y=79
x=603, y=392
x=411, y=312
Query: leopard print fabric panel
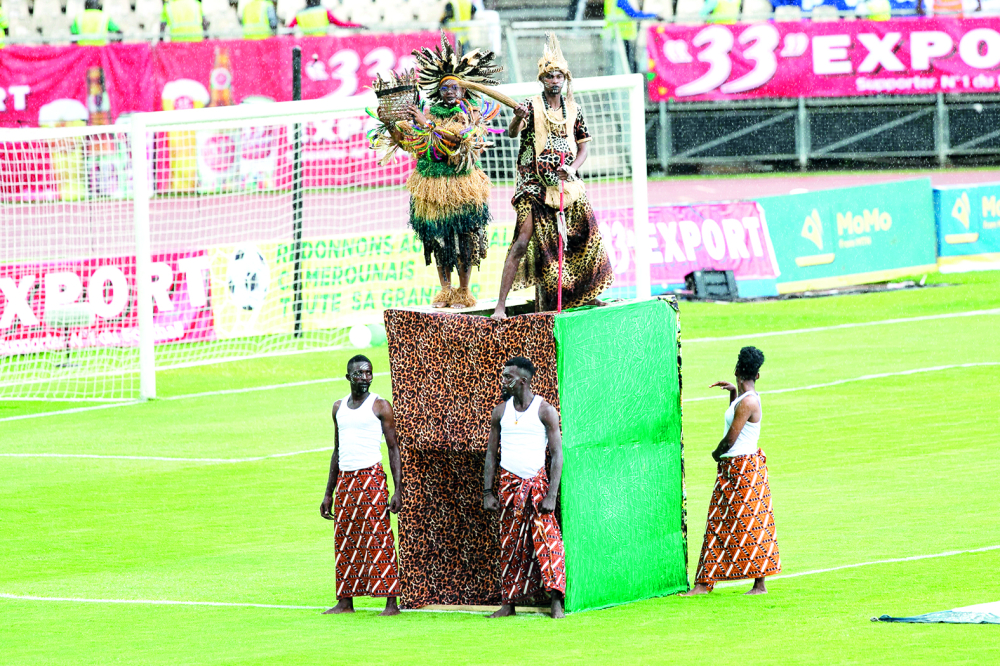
x=445, y=382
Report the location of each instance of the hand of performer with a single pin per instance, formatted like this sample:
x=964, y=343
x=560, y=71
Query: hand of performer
x=725, y=386
x=548, y=504
x=417, y=116
x=395, y=502
x=566, y=172
x=326, y=507
x=490, y=501
x=521, y=111
x=716, y=456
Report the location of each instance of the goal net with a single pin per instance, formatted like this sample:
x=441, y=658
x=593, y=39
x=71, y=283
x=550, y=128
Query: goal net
x=215, y=209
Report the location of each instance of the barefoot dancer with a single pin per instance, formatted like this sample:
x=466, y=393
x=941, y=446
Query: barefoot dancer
x=531, y=547
x=740, y=539
x=364, y=548
x=449, y=192
x=553, y=132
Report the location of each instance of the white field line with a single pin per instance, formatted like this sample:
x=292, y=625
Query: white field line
x=881, y=322
x=187, y=396
x=730, y=583
x=162, y=458
x=860, y=324
x=913, y=558
x=862, y=378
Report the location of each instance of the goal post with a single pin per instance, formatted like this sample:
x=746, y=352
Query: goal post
x=201, y=230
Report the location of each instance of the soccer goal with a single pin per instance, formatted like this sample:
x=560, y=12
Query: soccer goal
x=208, y=235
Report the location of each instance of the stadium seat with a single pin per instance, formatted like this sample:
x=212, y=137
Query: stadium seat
x=787, y=13
x=689, y=11
x=287, y=9
x=365, y=12
x=74, y=8
x=825, y=13
x=430, y=12
x=662, y=8
x=149, y=9
x=757, y=10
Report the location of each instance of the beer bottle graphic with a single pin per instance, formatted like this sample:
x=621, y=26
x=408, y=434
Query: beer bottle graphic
x=221, y=80
x=98, y=104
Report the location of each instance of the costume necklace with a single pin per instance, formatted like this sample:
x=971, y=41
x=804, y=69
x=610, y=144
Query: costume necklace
x=554, y=122
x=520, y=415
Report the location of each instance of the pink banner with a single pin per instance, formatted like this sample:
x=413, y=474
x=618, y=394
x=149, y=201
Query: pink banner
x=824, y=59
x=41, y=303
x=723, y=236
x=73, y=85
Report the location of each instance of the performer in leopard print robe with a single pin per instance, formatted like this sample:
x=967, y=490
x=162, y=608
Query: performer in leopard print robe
x=554, y=144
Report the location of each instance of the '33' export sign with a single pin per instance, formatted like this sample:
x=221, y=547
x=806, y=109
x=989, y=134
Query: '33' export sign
x=818, y=59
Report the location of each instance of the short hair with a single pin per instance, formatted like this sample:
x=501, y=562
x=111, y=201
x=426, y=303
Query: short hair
x=749, y=362
x=359, y=358
x=522, y=363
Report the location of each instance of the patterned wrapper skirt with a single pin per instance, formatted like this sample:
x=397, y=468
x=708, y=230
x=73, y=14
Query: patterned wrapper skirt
x=740, y=539
x=365, y=552
x=586, y=268
x=531, y=547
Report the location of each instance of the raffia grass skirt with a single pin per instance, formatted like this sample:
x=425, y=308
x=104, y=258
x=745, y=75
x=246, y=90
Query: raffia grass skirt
x=450, y=214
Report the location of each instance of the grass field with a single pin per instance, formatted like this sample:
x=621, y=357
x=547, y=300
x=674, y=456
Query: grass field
x=882, y=468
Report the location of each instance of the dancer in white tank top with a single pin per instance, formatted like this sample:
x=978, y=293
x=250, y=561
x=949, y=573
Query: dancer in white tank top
x=523, y=428
x=740, y=538
x=365, y=552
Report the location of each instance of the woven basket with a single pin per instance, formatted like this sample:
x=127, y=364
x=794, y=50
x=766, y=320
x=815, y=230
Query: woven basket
x=393, y=101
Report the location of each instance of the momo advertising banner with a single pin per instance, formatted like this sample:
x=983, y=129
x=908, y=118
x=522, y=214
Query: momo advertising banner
x=906, y=56
x=39, y=300
x=346, y=280
x=968, y=227
x=685, y=238
x=855, y=235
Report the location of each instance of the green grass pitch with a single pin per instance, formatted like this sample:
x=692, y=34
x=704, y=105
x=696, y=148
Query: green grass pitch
x=865, y=471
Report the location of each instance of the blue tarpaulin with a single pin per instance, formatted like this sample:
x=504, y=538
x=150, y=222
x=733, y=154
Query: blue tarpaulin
x=978, y=614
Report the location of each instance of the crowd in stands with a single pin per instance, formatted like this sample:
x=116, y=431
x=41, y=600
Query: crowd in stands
x=95, y=22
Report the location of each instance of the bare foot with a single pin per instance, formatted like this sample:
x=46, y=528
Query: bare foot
x=699, y=588
x=343, y=606
x=499, y=315
x=759, y=587
x=596, y=303
x=507, y=610
x=391, y=608
x=557, y=611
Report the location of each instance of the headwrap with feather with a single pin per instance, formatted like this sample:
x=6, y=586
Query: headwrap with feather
x=476, y=66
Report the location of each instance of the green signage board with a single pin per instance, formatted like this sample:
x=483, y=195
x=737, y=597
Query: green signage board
x=855, y=235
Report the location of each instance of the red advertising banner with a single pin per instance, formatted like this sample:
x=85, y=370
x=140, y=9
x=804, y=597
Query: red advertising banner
x=716, y=236
x=54, y=86
x=43, y=305
x=824, y=59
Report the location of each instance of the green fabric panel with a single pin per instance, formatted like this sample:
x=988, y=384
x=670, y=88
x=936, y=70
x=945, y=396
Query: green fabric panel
x=622, y=486
x=430, y=169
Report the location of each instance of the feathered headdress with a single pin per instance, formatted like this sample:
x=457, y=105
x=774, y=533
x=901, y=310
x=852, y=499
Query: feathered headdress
x=552, y=58
x=434, y=65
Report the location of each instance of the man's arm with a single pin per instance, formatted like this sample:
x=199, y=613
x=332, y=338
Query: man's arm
x=743, y=412
x=272, y=17
x=383, y=410
x=341, y=24
x=490, y=501
x=550, y=419
x=518, y=121
x=331, y=482
x=633, y=13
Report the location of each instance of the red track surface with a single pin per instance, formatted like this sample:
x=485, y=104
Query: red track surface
x=720, y=188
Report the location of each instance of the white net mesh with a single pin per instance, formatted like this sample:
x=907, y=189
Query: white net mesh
x=222, y=237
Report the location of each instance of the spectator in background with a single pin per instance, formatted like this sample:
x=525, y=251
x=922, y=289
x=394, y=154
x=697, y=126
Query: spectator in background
x=183, y=20
x=721, y=11
x=4, y=27
x=315, y=21
x=260, y=20
x=93, y=26
x=460, y=11
x=621, y=17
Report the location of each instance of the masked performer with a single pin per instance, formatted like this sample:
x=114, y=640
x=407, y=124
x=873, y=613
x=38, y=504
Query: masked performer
x=449, y=192
x=554, y=145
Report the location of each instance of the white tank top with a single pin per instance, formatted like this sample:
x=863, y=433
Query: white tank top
x=748, y=439
x=523, y=439
x=360, y=435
